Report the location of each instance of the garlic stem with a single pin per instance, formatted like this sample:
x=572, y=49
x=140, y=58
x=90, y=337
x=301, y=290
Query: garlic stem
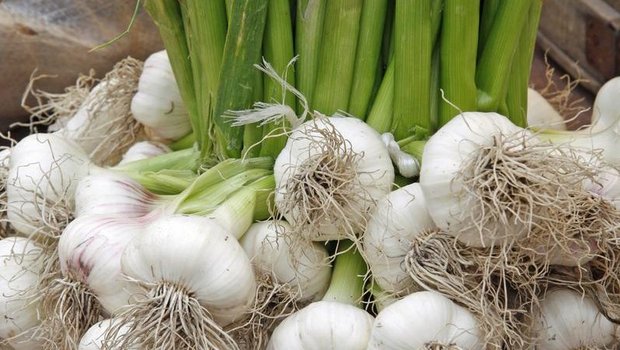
x=347, y=283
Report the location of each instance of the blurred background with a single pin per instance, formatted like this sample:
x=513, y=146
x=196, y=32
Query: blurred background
x=578, y=40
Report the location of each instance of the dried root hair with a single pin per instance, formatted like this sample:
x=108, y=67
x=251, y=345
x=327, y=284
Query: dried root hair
x=167, y=316
x=500, y=291
x=562, y=99
x=604, y=277
x=325, y=188
x=59, y=329
x=110, y=128
x=69, y=310
x=579, y=232
x=273, y=302
x=512, y=179
x=53, y=110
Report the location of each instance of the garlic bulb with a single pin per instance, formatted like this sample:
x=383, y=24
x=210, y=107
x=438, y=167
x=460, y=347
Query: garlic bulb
x=398, y=218
x=44, y=172
x=423, y=319
x=143, y=150
x=323, y=325
x=540, y=113
x=571, y=321
x=192, y=273
x=94, y=338
x=20, y=266
x=442, y=175
x=90, y=251
x=304, y=267
x=103, y=125
x=158, y=103
x=329, y=175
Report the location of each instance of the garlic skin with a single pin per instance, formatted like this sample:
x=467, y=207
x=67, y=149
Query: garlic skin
x=323, y=325
x=397, y=220
x=606, y=185
x=424, y=318
x=143, y=150
x=198, y=255
x=44, y=172
x=375, y=173
x=93, y=338
x=20, y=265
x=540, y=113
x=308, y=272
x=90, y=250
x=158, y=103
x=444, y=155
x=570, y=321
x=111, y=193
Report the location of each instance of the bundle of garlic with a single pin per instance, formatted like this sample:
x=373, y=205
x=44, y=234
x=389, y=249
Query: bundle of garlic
x=91, y=282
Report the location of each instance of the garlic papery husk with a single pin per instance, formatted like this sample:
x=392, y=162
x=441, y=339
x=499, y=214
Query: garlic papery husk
x=425, y=320
x=323, y=325
x=487, y=181
x=158, y=103
x=193, y=278
x=103, y=125
x=397, y=220
x=606, y=185
x=571, y=321
x=303, y=268
x=329, y=176
x=540, y=113
x=20, y=267
x=44, y=172
x=112, y=193
x=94, y=338
x=90, y=251
x=143, y=150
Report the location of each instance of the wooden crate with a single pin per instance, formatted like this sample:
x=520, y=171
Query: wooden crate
x=583, y=37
